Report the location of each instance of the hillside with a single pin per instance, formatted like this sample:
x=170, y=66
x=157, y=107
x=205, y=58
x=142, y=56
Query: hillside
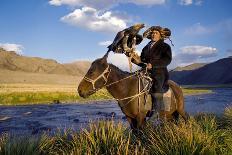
x=14, y=62
x=218, y=72
x=15, y=68
x=190, y=67
x=80, y=67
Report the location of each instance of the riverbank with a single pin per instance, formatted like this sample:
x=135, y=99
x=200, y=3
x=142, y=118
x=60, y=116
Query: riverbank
x=20, y=94
x=203, y=134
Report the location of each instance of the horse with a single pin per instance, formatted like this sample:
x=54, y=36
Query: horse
x=123, y=86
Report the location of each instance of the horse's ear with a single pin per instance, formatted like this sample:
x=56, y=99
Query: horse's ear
x=106, y=55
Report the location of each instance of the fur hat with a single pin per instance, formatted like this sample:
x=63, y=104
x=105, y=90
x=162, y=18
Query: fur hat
x=164, y=32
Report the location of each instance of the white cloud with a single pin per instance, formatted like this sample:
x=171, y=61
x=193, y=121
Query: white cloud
x=200, y=51
x=12, y=47
x=198, y=29
x=105, y=43
x=99, y=4
x=146, y=2
x=103, y=4
x=61, y=2
x=185, y=2
x=95, y=20
x=194, y=54
x=190, y=2
x=121, y=61
x=96, y=16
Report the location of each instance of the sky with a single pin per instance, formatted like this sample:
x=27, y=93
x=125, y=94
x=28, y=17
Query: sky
x=72, y=30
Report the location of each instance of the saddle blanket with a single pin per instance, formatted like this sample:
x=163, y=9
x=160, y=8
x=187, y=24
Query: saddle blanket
x=166, y=104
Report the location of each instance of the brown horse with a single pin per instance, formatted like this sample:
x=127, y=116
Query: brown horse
x=123, y=86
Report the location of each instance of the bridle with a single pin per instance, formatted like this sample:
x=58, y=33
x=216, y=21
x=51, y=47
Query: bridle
x=108, y=70
x=102, y=75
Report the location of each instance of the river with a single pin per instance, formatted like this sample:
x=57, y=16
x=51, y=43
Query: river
x=35, y=119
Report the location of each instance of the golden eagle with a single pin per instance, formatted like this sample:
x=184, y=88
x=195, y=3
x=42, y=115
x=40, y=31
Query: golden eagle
x=126, y=39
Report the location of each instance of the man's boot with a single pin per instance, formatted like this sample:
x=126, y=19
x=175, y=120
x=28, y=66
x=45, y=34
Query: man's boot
x=157, y=101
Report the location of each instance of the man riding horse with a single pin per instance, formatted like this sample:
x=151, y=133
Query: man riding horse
x=155, y=56
x=129, y=89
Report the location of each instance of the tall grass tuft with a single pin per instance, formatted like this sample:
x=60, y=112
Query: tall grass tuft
x=227, y=122
x=228, y=116
x=104, y=137
x=194, y=137
x=18, y=145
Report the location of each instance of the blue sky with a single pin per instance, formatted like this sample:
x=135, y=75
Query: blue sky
x=70, y=30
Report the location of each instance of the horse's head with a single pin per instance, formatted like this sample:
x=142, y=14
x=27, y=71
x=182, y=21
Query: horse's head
x=95, y=78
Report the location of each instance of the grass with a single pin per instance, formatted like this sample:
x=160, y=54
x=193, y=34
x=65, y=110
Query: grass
x=16, y=98
x=15, y=94
x=195, y=91
x=201, y=135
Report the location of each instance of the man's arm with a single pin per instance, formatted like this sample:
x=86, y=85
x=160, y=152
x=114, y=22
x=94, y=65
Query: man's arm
x=135, y=58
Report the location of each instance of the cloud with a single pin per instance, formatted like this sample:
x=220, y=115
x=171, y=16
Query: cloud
x=146, y=2
x=190, y=2
x=103, y=4
x=12, y=47
x=193, y=54
x=99, y=4
x=96, y=15
x=221, y=29
x=95, y=20
x=196, y=50
x=185, y=2
x=198, y=29
x=105, y=43
x=121, y=61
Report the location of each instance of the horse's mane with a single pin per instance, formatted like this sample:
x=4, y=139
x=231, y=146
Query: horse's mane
x=119, y=70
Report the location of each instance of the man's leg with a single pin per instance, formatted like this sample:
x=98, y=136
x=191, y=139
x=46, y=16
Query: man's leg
x=157, y=96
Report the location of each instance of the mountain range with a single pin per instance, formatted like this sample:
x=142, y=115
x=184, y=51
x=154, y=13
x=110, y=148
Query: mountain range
x=215, y=73
x=15, y=68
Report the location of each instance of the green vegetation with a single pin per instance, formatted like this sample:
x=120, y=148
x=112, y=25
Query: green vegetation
x=203, y=134
x=16, y=98
x=15, y=94
x=194, y=91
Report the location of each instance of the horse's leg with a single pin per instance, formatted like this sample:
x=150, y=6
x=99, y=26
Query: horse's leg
x=141, y=118
x=132, y=122
x=184, y=115
x=175, y=116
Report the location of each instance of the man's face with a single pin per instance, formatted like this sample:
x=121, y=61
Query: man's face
x=155, y=35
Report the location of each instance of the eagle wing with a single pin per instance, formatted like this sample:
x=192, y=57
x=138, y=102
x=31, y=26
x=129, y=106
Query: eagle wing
x=117, y=39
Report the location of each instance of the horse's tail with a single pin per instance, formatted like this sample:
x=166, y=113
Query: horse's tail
x=179, y=98
x=177, y=93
